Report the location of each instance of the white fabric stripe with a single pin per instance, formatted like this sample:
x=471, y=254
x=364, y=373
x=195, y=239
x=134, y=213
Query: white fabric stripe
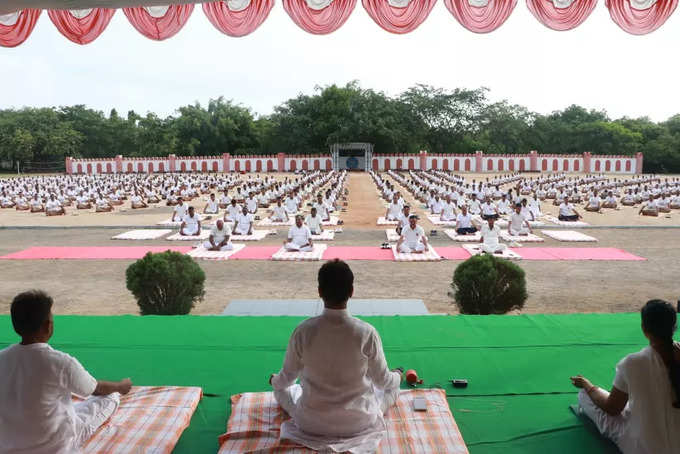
x=146, y=234
x=642, y=4
x=157, y=11
x=562, y=4
x=9, y=19
x=478, y=3
x=318, y=4
x=80, y=13
x=399, y=3
x=238, y=5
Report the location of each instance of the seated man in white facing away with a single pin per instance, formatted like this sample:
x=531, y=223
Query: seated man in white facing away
x=490, y=233
x=641, y=413
x=344, y=392
x=313, y=221
x=299, y=237
x=220, y=237
x=37, y=414
x=212, y=207
x=412, y=239
x=518, y=223
x=279, y=213
x=191, y=225
x=243, y=223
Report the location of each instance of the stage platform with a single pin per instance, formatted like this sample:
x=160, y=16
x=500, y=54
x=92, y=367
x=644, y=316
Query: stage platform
x=518, y=366
x=311, y=308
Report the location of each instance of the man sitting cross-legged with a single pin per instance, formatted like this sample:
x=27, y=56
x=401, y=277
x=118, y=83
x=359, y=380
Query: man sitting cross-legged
x=345, y=385
x=279, y=213
x=394, y=209
x=299, y=237
x=464, y=222
x=594, y=203
x=650, y=208
x=567, y=211
x=243, y=223
x=220, y=237
x=37, y=414
x=191, y=225
x=412, y=239
x=518, y=226
x=53, y=207
x=490, y=233
x=313, y=221
x=211, y=207
x=448, y=212
x=610, y=201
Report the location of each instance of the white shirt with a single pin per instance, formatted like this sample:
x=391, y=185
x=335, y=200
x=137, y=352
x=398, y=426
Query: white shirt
x=251, y=204
x=37, y=414
x=280, y=212
x=594, y=201
x=299, y=235
x=52, y=205
x=412, y=236
x=566, y=209
x=488, y=209
x=321, y=209
x=291, y=205
x=464, y=220
x=219, y=235
x=190, y=221
x=313, y=222
x=233, y=211
x=436, y=207
x=516, y=221
x=338, y=397
x=652, y=424
x=181, y=210
x=394, y=210
x=212, y=206
x=491, y=235
x=244, y=221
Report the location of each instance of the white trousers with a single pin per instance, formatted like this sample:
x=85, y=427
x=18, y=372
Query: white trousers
x=288, y=398
x=522, y=231
x=294, y=247
x=242, y=230
x=446, y=218
x=493, y=248
x=226, y=247
x=190, y=230
x=612, y=427
x=91, y=414
x=406, y=248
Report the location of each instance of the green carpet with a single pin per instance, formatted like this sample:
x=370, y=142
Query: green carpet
x=518, y=367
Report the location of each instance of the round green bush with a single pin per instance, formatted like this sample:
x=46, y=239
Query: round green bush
x=485, y=284
x=167, y=283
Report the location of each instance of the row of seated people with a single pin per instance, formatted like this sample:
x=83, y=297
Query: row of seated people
x=343, y=393
x=412, y=238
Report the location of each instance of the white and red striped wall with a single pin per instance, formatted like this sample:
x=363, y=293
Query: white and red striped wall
x=477, y=162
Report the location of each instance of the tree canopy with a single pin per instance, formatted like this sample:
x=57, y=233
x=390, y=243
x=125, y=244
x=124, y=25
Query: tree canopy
x=420, y=118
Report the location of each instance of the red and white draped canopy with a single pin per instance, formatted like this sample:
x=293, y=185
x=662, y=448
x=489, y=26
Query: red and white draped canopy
x=83, y=21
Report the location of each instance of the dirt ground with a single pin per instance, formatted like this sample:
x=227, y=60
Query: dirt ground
x=98, y=287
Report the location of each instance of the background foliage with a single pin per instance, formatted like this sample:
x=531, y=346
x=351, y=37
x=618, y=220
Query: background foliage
x=420, y=118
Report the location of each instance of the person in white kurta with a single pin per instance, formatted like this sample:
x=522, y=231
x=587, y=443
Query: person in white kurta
x=243, y=223
x=650, y=208
x=299, y=237
x=393, y=210
x=412, y=239
x=279, y=213
x=220, y=237
x=448, y=212
x=490, y=234
x=53, y=207
x=344, y=393
x=321, y=208
x=313, y=221
x=37, y=414
x=179, y=211
x=233, y=211
x=641, y=413
x=251, y=203
x=212, y=207
x=191, y=225
x=518, y=223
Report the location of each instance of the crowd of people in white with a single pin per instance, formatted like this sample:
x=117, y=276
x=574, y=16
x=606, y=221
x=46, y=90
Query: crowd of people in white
x=476, y=206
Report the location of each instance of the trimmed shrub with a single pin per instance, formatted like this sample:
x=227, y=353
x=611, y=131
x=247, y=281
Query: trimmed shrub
x=485, y=284
x=167, y=283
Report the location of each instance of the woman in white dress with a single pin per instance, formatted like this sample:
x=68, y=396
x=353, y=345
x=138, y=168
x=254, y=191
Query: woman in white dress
x=641, y=413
